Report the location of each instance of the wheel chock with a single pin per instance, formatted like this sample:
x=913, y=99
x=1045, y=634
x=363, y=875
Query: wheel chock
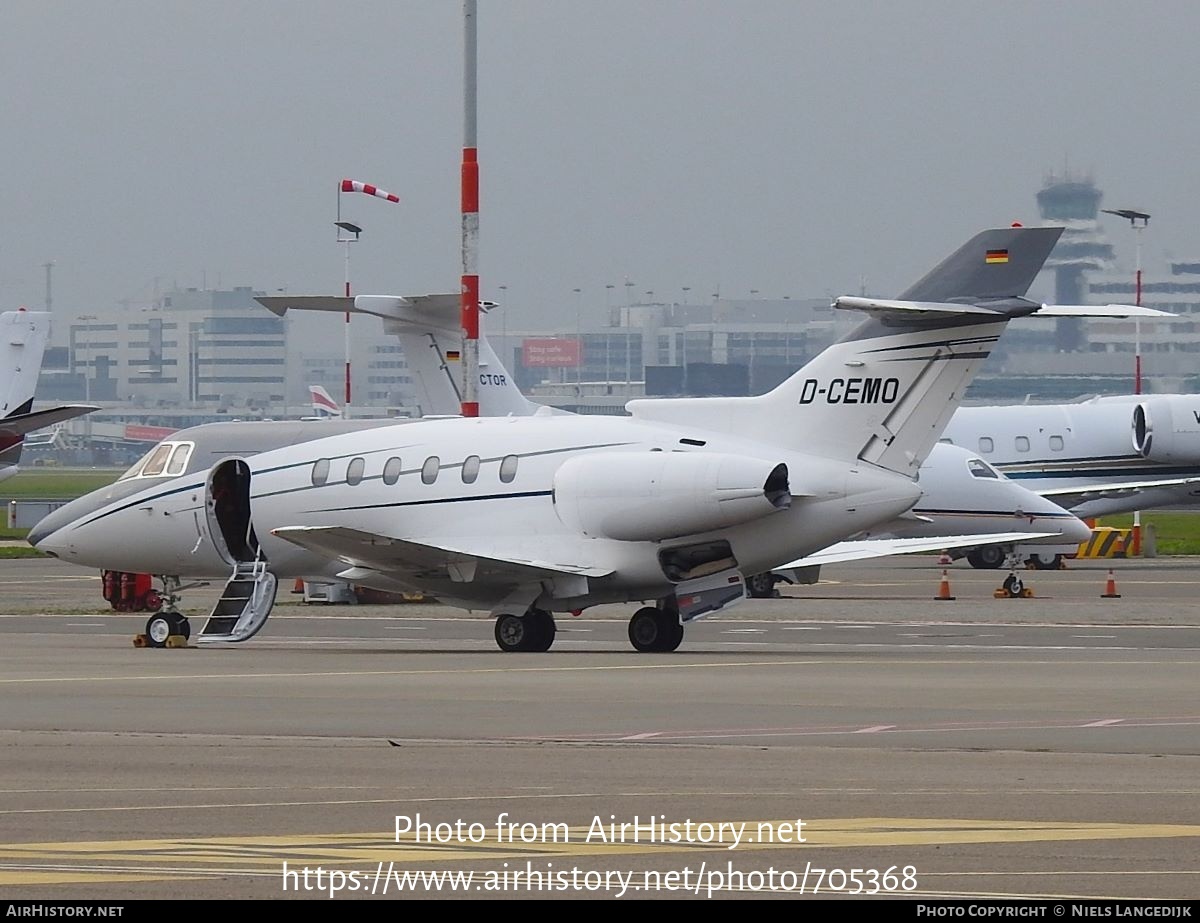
x=1000, y=593
x=1027, y=593
x=141, y=641
x=176, y=641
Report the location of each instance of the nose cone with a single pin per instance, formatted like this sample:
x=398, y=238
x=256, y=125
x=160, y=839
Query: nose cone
x=41, y=535
x=57, y=532
x=1076, y=530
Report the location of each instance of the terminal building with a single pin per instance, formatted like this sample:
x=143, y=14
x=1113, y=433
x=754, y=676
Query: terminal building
x=194, y=355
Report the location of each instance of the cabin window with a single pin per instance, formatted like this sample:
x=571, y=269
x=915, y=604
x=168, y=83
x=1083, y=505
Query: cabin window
x=354, y=471
x=1022, y=443
x=470, y=469
x=981, y=469
x=320, y=471
x=508, y=468
x=429, y=470
x=986, y=445
x=179, y=458
x=391, y=471
x=1056, y=443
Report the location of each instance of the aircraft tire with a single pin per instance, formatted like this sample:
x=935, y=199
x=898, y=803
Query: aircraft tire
x=654, y=631
x=987, y=558
x=760, y=586
x=1013, y=586
x=1039, y=561
x=513, y=632
x=158, y=629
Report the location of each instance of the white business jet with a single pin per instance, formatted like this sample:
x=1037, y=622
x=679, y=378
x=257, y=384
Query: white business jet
x=965, y=500
x=1100, y=457
x=525, y=516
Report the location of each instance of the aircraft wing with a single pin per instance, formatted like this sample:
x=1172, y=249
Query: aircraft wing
x=882, y=547
x=1073, y=496
x=23, y=423
x=409, y=561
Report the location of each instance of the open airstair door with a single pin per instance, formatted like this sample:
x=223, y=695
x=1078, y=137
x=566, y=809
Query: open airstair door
x=250, y=592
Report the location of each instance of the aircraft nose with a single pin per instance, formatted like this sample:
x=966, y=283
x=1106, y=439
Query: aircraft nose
x=1077, y=531
x=46, y=527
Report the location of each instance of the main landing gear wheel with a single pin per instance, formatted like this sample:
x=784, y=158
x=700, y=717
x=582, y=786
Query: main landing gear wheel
x=654, y=631
x=760, y=586
x=532, y=632
x=161, y=625
x=988, y=557
x=1042, y=561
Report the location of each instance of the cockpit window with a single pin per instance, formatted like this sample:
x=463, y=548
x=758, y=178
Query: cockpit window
x=981, y=469
x=137, y=466
x=157, y=461
x=167, y=459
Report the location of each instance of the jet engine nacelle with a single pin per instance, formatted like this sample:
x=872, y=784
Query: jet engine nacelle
x=636, y=496
x=1167, y=428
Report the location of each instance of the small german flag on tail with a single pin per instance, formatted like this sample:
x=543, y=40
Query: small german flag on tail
x=996, y=256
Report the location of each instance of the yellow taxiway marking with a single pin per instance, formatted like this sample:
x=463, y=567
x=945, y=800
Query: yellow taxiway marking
x=201, y=857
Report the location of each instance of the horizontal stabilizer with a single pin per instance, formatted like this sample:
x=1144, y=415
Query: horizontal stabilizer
x=443, y=305
x=366, y=549
x=882, y=547
x=1102, y=310
x=880, y=306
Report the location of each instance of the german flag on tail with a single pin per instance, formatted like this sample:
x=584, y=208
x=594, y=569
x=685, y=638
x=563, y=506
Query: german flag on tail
x=996, y=256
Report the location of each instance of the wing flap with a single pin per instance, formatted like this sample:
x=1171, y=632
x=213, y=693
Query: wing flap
x=383, y=553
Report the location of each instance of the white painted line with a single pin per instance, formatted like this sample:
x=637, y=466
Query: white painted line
x=744, y=631
x=645, y=736
x=1104, y=723
x=876, y=729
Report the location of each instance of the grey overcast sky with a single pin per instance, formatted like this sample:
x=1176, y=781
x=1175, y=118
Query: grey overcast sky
x=790, y=147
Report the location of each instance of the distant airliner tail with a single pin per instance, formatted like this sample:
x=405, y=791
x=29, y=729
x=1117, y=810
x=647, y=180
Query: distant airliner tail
x=322, y=404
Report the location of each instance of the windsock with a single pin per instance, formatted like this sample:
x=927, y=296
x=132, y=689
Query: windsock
x=353, y=185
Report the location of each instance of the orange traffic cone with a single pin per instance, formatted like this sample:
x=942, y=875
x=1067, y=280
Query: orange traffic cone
x=299, y=586
x=1110, y=587
x=944, y=589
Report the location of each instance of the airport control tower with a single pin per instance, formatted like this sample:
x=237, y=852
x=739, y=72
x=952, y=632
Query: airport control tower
x=1074, y=204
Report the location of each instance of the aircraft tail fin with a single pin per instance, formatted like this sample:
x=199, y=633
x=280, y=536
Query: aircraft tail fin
x=427, y=327
x=885, y=393
x=323, y=405
x=23, y=336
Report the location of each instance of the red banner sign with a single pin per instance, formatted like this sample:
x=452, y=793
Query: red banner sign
x=550, y=353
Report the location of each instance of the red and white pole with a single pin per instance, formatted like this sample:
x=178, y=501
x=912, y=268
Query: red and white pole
x=470, y=221
x=346, y=406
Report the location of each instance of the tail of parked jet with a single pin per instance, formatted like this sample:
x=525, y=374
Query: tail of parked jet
x=23, y=336
x=324, y=407
x=427, y=327
x=885, y=393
